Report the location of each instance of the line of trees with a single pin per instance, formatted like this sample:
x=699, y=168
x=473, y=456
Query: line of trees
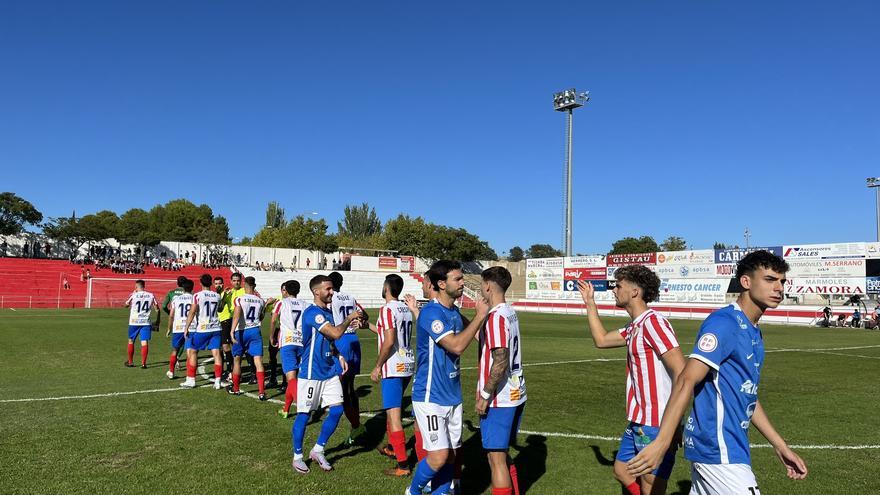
x=627, y=245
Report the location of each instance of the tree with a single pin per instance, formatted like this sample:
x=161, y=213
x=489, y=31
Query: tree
x=181, y=220
x=630, y=245
x=137, y=227
x=359, y=222
x=542, y=251
x=414, y=236
x=275, y=215
x=65, y=230
x=100, y=226
x=300, y=233
x=15, y=213
x=673, y=243
x=406, y=235
x=719, y=245
x=516, y=254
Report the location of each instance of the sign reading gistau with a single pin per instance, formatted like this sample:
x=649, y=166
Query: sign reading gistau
x=631, y=259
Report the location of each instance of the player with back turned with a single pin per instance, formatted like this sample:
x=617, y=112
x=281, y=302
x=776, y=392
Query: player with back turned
x=206, y=334
x=722, y=376
x=247, y=337
x=180, y=306
x=287, y=314
x=141, y=303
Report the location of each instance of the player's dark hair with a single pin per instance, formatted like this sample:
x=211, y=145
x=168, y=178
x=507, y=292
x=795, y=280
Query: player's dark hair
x=187, y=285
x=395, y=284
x=180, y=280
x=760, y=259
x=336, y=280
x=318, y=280
x=499, y=275
x=292, y=287
x=205, y=280
x=643, y=277
x=140, y=283
x=250, y=282
x=234, y=275
x=440, y=270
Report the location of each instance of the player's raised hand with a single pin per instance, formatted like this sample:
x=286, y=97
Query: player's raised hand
x=375, y=375
x=796, y=467
x=587, y=291
x=411, y=302
x=647, y=460
x=482, y=307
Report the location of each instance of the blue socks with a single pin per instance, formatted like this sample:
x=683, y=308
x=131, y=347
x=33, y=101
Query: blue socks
x=442, y=482
x=329, y=425
x=422, y=475
x=299, y=432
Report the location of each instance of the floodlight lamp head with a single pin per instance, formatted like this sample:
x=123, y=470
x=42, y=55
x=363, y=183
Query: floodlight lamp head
x=873, y=181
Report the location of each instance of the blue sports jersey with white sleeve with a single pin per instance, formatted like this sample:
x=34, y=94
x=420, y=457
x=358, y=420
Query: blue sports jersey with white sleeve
x=437, y=378
x=318, y=361
x=717, y=431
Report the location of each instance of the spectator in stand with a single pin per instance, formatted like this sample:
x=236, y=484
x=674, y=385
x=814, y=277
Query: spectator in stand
x=841, y=320
x=308, y=262
x=65, y=283
x=856, y=319
x=24, y=250
x=88, y=274
x=3, y=248
x=82, y=274
x=48, y=249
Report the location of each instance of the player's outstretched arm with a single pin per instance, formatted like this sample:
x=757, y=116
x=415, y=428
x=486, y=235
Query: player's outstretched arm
x=458, y=343
x=272, y=327
x=413, y=304
x=334, y=332
x=500, y=364
x=794, y=465
x=190, y=317
x=170, y=322
x=682, y=392
x=601, y=337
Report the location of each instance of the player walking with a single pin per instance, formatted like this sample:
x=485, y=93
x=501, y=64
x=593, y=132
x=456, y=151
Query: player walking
x=203, y=317
x=349, y=346
x=141, y=303
x=653, y=363
x=318, y=383
x=436, y=396
x=394, y=366
x=288, y=313
x=501, y=387
x=247, y=335
x=180, y=307
x=722, y=375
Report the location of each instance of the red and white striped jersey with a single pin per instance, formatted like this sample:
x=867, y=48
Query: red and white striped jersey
x=289, y=311
x=396, y=315
x=207, y=302
x=501, y=330
x=180, y=305
x=648, y=384
x=251, y=310
x=141, y=302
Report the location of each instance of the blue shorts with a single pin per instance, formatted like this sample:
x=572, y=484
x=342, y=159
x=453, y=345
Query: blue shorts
x=499, y=426
x=392, y=391
x=206, y=341
x=143, y=330
x=635, y=438
x=349, y=346
x=177, y=340
x=249, y=340
x=290, y=358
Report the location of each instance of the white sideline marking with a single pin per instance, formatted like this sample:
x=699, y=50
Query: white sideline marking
x=824, y=349
x=93, y=396
x=548, y=363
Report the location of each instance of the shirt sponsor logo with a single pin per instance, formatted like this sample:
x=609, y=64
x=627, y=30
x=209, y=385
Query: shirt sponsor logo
x=749, y=388
x=708, y=342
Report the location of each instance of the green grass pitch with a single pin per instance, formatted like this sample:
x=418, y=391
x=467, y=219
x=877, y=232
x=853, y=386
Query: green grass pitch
x=204, y=441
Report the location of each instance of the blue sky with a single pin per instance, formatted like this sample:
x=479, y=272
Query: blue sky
x=706, y=117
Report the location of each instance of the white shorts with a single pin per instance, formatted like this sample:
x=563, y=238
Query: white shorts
x=314, y=394
x=440, y=425
x=723, y=479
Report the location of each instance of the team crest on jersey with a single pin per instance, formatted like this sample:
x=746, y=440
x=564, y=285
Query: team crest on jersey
x=320, y=319
x=436, y=326
x=708, y=342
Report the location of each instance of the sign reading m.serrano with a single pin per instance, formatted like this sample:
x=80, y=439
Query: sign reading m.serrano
x=631, y=259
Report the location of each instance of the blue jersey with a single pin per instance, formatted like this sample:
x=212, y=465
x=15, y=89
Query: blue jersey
x=317, y=361
x=717, y=431
x=437, y=370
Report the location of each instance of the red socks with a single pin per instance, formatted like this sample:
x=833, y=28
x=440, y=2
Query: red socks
x=514, y=479
x=130, y=352
x=420, y=449
x=190, y=371
x=261, y=382
x=172, y=362
x=397, y=439
x=218, y=370
x=236, y=382
x=502, y=491
x=633, y=488
x=145, y=349
x=353, y=415
x=289, y=396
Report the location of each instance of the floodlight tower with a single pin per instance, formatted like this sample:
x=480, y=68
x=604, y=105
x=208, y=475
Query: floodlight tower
x=875, y=183
x=567, y=101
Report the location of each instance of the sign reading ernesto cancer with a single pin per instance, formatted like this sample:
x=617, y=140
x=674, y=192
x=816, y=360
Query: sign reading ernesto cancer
x=693, y=290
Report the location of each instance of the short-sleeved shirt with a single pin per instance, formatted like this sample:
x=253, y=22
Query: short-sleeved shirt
x=228, y=299
x=207, y=303
x=290, y=312
x=718, y=426
x=318, y=361
x=141, y=302
x=501, y=331
x=343, y=305
x=168, y=297
x=438, y=375
x=181, y=305
x=648, y=384
x=396, y=315
x=252, y=307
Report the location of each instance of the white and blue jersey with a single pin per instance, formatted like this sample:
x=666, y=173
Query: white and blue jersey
x=717, y=429
x=438, y=378
x=318, y=361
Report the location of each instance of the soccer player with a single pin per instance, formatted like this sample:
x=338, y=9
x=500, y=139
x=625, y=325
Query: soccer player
x=349, y=346
x=288, y=313
x=141, y=303
x=247, y=336
x=413, y=305
x=653, y=363
x=441, y=339
x=206, y=335
x=180, y=307
x=166, y=303
x=395, y=366
x=318, y=382
x=722, y=375
x=501, y=387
